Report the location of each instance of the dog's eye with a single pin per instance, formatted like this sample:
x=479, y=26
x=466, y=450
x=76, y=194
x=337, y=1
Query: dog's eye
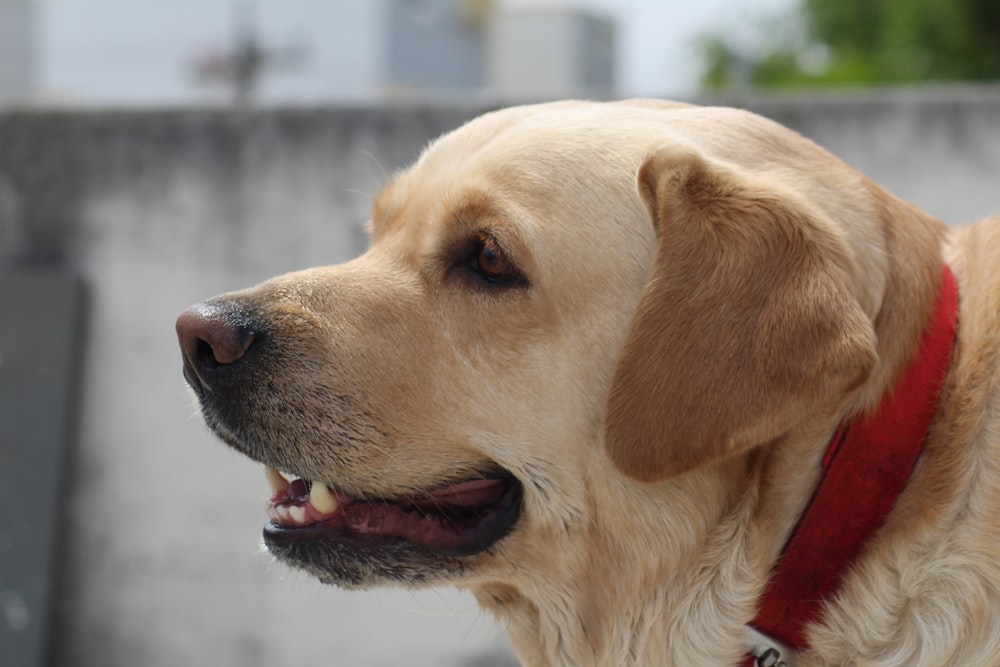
x=490, y=262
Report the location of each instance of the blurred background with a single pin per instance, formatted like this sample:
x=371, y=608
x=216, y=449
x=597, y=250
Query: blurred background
x=155, y=153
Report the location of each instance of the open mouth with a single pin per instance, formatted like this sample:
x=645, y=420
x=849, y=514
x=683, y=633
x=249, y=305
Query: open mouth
x=457, y=520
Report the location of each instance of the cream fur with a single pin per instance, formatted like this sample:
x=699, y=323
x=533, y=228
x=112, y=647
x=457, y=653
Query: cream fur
x=654, y=553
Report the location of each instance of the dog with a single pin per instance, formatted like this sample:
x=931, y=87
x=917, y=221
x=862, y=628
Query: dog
x=594, y=369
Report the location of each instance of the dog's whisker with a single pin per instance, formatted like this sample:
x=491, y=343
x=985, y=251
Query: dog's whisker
x=367, y=195
x=378, y=164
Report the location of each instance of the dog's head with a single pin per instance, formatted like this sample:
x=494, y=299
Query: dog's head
x=560, y=303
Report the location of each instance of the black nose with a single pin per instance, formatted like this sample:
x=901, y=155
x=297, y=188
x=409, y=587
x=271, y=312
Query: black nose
x=214, y=336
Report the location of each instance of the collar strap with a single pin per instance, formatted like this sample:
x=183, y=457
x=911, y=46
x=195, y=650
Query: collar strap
x=867, y=465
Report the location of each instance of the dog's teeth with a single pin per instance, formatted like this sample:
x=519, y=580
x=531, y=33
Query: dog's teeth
x=298, y=513
x=275, y=480
x=321, y=498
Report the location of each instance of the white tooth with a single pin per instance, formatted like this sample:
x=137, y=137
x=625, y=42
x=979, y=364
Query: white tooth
x=275, y=480
x=298, y=513
x=282, y=511
x=321, y=498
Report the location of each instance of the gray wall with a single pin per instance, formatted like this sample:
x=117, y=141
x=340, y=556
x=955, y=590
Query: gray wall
x=161, y=563
x=938, y=147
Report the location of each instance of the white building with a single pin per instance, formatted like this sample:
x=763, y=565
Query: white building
x=18, y=37
x=353, y=50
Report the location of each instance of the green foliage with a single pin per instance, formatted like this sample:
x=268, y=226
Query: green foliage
x=864, y=42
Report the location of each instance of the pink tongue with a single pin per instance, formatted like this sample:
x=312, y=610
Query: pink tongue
x=477, y=493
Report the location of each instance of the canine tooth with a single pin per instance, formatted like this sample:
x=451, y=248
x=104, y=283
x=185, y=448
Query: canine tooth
x=276, y=480
x=298, y=513
x=321, y=498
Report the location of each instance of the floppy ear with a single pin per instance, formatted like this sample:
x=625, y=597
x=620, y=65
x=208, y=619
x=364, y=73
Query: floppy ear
x=746, y=324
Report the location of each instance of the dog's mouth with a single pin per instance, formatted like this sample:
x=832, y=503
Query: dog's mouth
x=460, y=519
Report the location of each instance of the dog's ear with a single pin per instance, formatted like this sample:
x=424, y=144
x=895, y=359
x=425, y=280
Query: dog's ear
x=746, y=324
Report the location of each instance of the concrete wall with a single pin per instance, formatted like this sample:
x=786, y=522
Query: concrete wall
x=938, y=147
x=161, y=563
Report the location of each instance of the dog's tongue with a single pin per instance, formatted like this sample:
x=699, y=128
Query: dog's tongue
x=477, y=493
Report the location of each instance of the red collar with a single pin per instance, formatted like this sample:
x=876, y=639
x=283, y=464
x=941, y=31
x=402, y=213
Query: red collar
x=866, y=467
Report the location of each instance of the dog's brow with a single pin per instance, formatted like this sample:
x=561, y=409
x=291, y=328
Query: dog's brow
x=477, y=206
x=477, y=212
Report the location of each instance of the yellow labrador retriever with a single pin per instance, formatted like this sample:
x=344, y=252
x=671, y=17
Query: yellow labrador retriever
x=597, y=367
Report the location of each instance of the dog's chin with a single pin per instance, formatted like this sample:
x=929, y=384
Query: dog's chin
x=407, y=540
x=358, y=566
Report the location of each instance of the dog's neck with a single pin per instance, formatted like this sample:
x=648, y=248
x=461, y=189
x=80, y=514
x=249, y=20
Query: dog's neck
x=656, y=606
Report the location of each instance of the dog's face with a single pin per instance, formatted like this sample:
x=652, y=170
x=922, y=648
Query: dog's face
x=547, y=289
x=448, y=385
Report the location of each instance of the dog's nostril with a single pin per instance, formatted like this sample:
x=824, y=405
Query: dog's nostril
x=204, y=354
x=214, y=334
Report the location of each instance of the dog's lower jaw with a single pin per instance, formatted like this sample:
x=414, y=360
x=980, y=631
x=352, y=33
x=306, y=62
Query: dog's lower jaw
x=360, y=568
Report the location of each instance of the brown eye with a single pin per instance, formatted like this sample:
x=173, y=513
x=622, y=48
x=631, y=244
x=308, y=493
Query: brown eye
x=491, y=263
